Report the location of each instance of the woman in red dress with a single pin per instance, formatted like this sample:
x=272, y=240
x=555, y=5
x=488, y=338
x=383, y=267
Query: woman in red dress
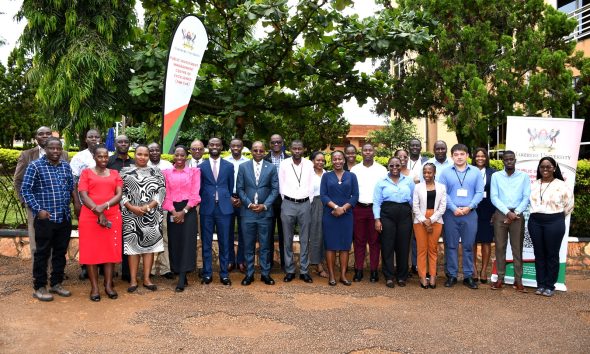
x=100, y=224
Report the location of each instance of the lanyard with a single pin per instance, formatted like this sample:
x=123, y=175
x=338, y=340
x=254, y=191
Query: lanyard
x=464, y=176
x=300, y=174
x=543, y=193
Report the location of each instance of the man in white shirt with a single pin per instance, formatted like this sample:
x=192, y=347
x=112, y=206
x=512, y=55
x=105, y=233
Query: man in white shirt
x=440, y=159
x=367, y=173
x=197, y=150
x=236, y=158
x=296, y=189
x=162, y=260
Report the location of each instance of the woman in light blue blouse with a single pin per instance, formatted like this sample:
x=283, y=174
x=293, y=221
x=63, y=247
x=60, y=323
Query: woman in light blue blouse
x=392, y=209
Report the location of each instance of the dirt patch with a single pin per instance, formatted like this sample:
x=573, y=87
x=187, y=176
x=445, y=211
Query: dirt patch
x=223, y=325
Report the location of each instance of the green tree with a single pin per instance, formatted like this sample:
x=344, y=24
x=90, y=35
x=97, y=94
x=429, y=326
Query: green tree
x=396, y=135
x=489, y=59
x=81, y=59
x=291, y=79
x=20, y=115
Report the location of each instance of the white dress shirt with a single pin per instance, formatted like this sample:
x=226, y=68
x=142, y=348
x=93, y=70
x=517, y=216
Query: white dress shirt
x=194, y=163
x=296, y=181
x=236, y=164
x=367, y=179
x=161, y=165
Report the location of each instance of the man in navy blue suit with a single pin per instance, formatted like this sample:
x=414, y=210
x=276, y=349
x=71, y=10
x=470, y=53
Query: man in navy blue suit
x=258, y=187
x=217, y=183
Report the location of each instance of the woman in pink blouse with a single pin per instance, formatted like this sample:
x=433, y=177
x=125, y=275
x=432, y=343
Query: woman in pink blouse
x=182, y=196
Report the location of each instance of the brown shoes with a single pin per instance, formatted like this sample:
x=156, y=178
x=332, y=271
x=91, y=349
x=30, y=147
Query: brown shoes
x=519, y=287
x=496, y=285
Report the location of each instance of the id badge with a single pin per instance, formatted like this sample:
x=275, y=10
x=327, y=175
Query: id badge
x=485, y=194
x=461, y=192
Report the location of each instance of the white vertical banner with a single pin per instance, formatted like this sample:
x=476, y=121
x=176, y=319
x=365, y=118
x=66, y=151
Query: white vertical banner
x=532, y=138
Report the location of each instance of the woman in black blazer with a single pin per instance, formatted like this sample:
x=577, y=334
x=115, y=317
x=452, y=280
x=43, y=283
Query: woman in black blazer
x=485, y=211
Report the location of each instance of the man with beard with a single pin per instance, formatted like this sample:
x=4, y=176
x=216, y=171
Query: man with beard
x=276, y=156
x=236, y=158
x=296, y=188
x=116, y=162
x=47, y=188
x=217, y=183
x=25, y=158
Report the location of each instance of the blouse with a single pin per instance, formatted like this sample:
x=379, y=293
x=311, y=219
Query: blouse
x=551, y=198
x=182, y=185
x=387, y=191
x=317, y=181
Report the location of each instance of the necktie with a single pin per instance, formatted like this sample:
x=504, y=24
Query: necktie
x=257, y=172
x=215, y=169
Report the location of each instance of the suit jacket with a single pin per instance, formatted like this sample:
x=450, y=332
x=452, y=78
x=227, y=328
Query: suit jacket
x=24, y=159
x=269, y=158
x=223, y=186
x=419, y=203
x=267, y=187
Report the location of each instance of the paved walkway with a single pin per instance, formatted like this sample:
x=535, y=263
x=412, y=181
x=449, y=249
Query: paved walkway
x=289, y=318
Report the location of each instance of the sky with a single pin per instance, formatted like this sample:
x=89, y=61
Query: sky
x=11, y=30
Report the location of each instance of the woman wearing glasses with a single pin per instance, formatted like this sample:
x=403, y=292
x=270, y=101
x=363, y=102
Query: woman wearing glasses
x=551, y=200
x=393, y=220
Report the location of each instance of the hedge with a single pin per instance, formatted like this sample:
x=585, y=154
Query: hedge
x=579, y=225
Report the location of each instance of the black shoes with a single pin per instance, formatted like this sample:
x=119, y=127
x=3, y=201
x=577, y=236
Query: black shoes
x=151, y=287
x=374, y=276
x=346, y=282
x=226, y=281
x=289, y=277
x=401, y=283
x=358, y=275
x=389, y=283
x=247, y=280
x=470, y=283
x=132, y=288
x=450, y=282
x=267, y=280
x=168, y=275
x=206, y=280
x=306, y=278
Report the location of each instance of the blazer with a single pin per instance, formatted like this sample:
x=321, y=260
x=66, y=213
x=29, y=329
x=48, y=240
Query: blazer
x=223, y=186
x=269, y=158
x=24, y=159
x=267, y=188
x=419, y=203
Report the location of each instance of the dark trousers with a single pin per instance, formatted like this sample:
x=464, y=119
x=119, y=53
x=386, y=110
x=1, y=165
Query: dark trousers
x=52, y=241
x=256, y=228
x=396, y=219
x=232, y=251
x=547, y=231
x=276, y=221
x=221, y=223
x=364, y=232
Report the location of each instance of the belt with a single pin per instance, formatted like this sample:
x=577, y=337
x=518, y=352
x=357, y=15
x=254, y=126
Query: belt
x=365, y=205
x=297, y=200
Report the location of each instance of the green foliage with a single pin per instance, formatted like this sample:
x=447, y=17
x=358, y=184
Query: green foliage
x=579, y=223
x=490, y=59
x=394, y=136
x=9, y=158
x=289, y=79
x=20, y=115
x=81, y=59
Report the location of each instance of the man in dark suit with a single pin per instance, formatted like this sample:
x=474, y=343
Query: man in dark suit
x=25, y=158
x=217, y=183
x=258, y=187
x=275, y=156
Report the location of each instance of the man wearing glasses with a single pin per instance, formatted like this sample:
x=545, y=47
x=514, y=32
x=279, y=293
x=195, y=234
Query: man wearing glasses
x=197, y=151
x=276, y=156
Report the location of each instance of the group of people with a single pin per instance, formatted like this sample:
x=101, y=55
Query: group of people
x=145, y=208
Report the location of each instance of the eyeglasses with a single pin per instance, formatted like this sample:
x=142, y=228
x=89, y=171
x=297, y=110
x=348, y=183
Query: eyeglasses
x=546, y=167
x=258, y=151
x=396, y=166
x=276, y=142
x=197, y=149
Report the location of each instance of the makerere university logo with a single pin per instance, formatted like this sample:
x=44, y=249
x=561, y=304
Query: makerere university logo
x=188, y=39
x=542, y=139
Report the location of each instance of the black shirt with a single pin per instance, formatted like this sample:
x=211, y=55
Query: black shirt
x=116, y=163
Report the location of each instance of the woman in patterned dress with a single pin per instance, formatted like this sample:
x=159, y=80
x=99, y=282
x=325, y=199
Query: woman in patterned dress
x=143, y=194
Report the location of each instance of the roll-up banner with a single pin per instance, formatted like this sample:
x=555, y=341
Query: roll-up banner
x=184, y=60
x=532, y=138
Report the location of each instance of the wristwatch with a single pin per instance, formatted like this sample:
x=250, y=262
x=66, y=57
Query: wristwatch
x=148, y=208
x=185, y=211
x=336, y=207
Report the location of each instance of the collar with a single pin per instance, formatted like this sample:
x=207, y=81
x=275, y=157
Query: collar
x=47, y=162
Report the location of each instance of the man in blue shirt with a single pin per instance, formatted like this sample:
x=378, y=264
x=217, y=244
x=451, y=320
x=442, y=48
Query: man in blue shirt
x=510, y=191
x=47, y=188
x=464, y=191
